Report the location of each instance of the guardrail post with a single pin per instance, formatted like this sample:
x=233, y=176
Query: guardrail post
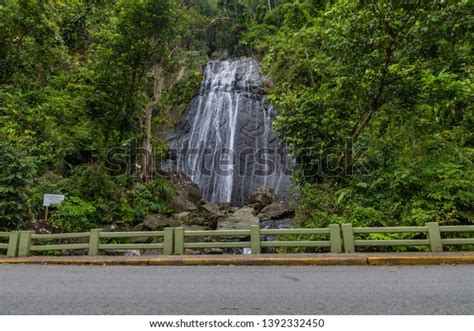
x=434, y=235
x=179, y=241
x=13, y=244
x=25, y=243
x=94, y=241
x=348, y=236
x=255, y=239
x=168, y=241
x=335, y=238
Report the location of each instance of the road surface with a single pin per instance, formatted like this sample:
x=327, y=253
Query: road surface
x=42, y=289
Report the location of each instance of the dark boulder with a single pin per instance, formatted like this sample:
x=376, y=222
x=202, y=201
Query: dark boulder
x=276, y=210
x=157, y=222
x=242, y=218
x=261, y=197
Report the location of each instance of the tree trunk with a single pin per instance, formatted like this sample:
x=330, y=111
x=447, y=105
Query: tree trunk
x=146, y=169
x=147, y=147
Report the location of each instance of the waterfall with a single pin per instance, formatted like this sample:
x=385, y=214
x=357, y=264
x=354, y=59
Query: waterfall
x=226, y=143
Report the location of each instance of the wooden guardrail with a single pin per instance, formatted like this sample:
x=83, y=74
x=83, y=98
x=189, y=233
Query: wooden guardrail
x=177, y=240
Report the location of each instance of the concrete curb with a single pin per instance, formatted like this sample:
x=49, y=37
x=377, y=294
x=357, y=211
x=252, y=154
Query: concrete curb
x=256, y=260
x=262, y=261
x=193, y=261
x=419, y=260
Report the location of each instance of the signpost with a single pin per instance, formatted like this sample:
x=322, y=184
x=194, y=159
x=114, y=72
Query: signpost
x=51, y=199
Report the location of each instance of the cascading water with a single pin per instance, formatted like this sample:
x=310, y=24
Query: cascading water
x=226, y=143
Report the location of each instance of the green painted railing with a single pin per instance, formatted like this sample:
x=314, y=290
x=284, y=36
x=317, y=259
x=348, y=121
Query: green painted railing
x=91, y=241
x=177, y=240
x=333, y=242
x=180, y=236
x=11, y=245
x=187, y=239
x=432, y=232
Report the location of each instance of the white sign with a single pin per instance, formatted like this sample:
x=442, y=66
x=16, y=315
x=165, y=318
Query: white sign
x=52, y=199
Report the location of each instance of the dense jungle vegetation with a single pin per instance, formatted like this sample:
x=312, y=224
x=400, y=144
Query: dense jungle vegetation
x=374, y=97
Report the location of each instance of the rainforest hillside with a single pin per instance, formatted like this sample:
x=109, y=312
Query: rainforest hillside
x=374, y=98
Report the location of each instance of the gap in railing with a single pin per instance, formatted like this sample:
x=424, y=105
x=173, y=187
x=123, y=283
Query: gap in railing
x=272, y=246
x=391, y=242
x=456, y=240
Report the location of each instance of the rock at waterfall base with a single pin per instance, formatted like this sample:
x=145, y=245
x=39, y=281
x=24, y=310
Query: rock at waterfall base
x=242, y=218
x=261, y=197
x=187, y=192
x=155, y=221
x=276, y=210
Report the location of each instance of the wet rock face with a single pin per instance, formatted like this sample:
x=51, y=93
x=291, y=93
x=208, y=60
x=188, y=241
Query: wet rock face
x=226, y=143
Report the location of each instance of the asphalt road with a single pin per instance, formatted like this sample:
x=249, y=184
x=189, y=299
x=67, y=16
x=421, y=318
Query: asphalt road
x=41, y=289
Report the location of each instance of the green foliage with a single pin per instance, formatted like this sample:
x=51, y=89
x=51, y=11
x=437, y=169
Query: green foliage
x=148, y=198
x=115, y=198
x=131, y=40
x=229, y=20
x=18, y=169
x=394, y=77
x=374, y=99
x=177, y=99
x=74, y=215
x=74, y=81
